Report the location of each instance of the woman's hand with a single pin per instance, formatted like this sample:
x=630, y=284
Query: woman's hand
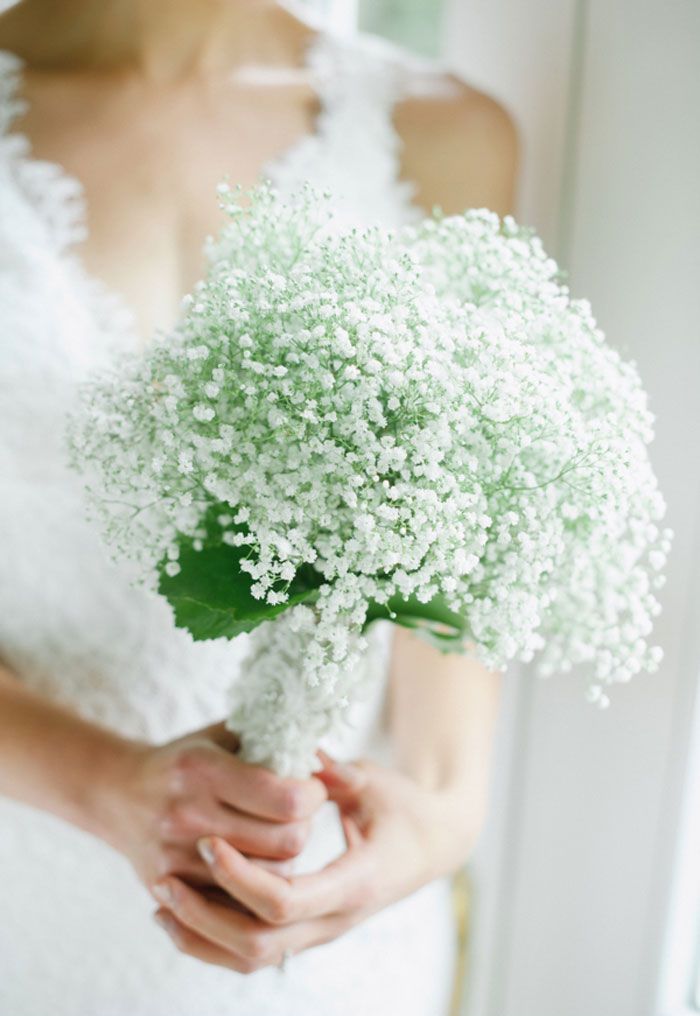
x=399, y=837
x=165, y=798
x=150, y=803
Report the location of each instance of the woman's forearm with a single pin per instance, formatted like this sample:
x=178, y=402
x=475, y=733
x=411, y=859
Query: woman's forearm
x=53, y=759
x=442, y=715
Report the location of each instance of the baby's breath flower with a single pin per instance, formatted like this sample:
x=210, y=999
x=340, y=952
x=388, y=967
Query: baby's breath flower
x=425, y=413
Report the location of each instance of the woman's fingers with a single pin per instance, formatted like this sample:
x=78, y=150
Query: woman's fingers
x=283, y=868
x=264, y=893
x=351, y=831
x=342, y=886
x=261, y=793
x=192, y=944
x=242, y=935
x=258, y=838
x=190, y=818
x=180, y=860
x=221, y=925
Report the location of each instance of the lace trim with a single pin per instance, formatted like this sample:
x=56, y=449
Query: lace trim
x=354, y=147
x=57, y=201
x=57, y=198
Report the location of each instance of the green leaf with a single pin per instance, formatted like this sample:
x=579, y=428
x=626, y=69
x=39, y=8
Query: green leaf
x=439, y=625
x=211, y=595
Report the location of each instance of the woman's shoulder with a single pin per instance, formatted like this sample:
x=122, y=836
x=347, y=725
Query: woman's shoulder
x=459, y=144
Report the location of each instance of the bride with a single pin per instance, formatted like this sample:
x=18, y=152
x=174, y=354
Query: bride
x=123, y=797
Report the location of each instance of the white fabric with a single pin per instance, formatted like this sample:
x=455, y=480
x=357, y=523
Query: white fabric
x=76, y=937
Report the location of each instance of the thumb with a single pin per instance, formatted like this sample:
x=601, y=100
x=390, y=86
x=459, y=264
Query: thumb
x=342, y=779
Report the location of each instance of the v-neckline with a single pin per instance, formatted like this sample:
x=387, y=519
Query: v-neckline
x=71, y=192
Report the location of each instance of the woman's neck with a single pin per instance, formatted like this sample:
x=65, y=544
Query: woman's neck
x=162, y=40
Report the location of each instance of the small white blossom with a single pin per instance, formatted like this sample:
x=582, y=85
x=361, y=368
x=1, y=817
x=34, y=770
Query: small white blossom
x=203, y=413
x=425, y=414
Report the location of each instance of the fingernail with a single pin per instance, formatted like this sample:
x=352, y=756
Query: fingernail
x=206, y=850
x=341, y=772
x=164, y=894
x=163, y=920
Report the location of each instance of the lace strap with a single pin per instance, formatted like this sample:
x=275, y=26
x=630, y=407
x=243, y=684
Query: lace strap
x=359, y=80
x=46, y=189
x=11, y=105
x=358, y=71
x=355, y=150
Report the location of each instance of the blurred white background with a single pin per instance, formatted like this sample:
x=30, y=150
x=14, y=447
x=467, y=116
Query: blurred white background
x=586, y=885
x=594, y=911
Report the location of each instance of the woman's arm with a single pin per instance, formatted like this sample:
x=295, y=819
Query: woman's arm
x=149, y=802
x=52, y=759
x=461, y=148
x=442, y=715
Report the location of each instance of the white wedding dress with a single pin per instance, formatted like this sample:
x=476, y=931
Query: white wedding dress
x=76, y=935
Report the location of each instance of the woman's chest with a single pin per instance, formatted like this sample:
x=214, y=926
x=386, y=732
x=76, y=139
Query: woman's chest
x=149, y=165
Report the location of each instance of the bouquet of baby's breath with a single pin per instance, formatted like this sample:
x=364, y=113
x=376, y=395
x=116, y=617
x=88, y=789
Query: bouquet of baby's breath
x=419, y=426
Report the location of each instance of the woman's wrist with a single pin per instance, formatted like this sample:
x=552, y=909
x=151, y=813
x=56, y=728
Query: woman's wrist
x=454, y=812
x=60, y=762
x=457, y=822
x=101, y=801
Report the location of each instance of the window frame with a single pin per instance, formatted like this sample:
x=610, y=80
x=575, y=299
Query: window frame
x=678, y=992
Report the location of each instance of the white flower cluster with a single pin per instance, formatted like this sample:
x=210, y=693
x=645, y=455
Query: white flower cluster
x=422, y=414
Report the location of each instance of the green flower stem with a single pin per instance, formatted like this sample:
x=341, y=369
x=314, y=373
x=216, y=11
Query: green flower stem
x=412, y=613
